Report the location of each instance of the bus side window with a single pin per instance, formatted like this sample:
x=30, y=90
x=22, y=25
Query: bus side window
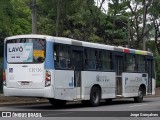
x=130, y=65
x=141, y=63
x=56, y=58
x=105, y=60
x=62, y=57
x=91, y=62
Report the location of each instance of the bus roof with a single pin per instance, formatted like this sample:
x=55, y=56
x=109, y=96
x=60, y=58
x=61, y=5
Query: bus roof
x=100, y=46
x=83, y=43
x=28, y=36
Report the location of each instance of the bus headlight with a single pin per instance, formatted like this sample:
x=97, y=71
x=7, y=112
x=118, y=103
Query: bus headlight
x=4, y=78
x=48, y=78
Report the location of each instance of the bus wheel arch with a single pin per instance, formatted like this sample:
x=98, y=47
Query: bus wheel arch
x=95, y=95
x=141, y=93
x=143, y=87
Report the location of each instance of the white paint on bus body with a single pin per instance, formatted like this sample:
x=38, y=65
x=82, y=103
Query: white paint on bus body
x=30, y=80
x=31, y=73
x=131, y=85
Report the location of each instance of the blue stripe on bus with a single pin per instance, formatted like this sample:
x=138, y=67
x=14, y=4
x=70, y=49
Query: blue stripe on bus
x=132, y=51
x=49, y=61
x=126, y=80
x=4, y=59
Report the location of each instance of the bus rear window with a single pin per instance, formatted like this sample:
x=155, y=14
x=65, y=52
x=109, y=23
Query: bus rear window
x=25, y=50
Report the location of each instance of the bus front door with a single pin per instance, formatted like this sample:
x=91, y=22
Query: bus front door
x=77, y=65
x=150, y=72
x=119, y=70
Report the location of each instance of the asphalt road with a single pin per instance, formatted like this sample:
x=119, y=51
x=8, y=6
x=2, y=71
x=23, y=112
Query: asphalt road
x=119, y=109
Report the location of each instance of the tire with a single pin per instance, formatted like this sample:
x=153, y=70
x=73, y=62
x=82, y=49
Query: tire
x=57, y=103
x=139, y=99
x=95, y=96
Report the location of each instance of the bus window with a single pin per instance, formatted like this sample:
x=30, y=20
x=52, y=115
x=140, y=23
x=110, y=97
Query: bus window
x=130, y=65
x=62, y=57
x=26, y=50
x=91, y=59
x=105, y=60
x=141, y=63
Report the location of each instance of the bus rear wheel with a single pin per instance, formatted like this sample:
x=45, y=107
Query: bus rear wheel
x=140, y=95
x=57, y=103
x=95, y=96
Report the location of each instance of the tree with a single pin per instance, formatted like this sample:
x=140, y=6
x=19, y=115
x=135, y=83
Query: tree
x=33, y=6
x=138, y=16
x=46, y=17
x=119, y=18
x=58, y=16
x=5, y=10
x=136, y=12
x=155, y=15
x=79, y=19
x=14, y=18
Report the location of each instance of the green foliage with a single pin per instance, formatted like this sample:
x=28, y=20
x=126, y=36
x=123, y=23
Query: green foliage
x=157, y=59
x=79, y=19
x=46, y=16
x=151, y=46
x=4, y=18
x=15, y=18
x=155, y=14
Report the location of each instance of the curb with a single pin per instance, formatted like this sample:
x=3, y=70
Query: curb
x=21, y=103
x=24, y=101
x=149, y=96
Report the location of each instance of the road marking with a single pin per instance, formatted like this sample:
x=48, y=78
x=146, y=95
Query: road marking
x=138, y=105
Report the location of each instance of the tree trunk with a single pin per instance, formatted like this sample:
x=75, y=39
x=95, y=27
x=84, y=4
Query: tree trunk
x=34, y=17
x=144, y=25
x=58, y=16
x=156, y=41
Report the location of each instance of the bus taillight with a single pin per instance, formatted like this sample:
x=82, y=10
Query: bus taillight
x=4, y=78
x=48, y=78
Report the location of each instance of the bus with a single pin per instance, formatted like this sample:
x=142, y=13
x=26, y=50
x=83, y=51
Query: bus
x=63, y=69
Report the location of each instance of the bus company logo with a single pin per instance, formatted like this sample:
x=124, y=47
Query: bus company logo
x=6, y=114
x=102, y=78
x=10, y=70
x=16, y=49
x=21, y=114
x=98, y=78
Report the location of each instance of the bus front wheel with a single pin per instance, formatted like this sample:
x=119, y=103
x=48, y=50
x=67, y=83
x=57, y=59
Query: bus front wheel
x=140, y=95
x=57, y=103
x=95, y=96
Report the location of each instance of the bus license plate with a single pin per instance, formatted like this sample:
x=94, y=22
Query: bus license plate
x=24, y=83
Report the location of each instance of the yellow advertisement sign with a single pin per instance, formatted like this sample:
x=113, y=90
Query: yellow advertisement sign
x=38, y=53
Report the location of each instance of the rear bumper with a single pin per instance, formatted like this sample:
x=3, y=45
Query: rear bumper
x=47, y=92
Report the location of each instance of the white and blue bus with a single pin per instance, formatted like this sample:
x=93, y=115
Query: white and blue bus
x=63, y=69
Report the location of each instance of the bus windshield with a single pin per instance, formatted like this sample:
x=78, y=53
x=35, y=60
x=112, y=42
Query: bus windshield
x=25, y=50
